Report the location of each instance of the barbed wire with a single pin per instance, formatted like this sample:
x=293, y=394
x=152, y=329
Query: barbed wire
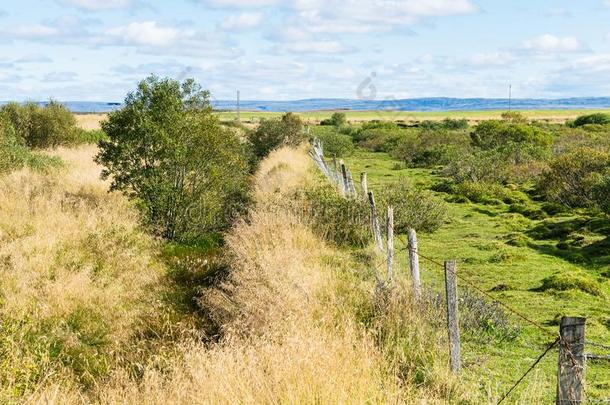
x=595, y=344
x=480, y=290
x=548, y=349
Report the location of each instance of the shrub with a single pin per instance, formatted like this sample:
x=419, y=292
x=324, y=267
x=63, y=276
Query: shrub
x=336, y=144
x=514, y=117
x=42, y=127
x=430, y=148
x=337, y=120
x=447, y=124
x=167, y=150
x=379, y=136
x=342, y=221
x=417, y=209
x=274, y=133
x=572, y=176
x=494, y=134
x=15, y=155
x=597, y=118
x=487, y=166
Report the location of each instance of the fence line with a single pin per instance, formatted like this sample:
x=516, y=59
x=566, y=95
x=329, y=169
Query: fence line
x=570, y=339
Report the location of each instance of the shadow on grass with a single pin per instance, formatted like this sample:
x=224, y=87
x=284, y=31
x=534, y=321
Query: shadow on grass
x=582, y=240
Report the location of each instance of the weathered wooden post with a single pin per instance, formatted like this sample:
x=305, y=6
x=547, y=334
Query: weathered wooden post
x=351, y=189
x=571, y=365
x=375, y=222
x=390, y=243
x=414, y=262
x=452, y=315
x=337, y=176
x=344, y=182
x=364, y=185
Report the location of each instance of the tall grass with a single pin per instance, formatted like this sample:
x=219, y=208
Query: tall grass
x=298, y=321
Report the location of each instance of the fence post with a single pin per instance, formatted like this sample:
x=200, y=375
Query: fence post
x=452, y=315
x=350, y=184
x=390, y=243
x=375, y=222
x=345, y=183
x=364, y=185
x=414, y=261
x=570, y=368
x=336, y=172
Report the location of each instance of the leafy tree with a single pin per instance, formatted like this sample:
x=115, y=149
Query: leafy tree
x=273, y=133
x=166, y=150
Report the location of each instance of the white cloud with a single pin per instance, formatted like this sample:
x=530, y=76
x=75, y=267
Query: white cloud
x=33, y=31
x=97, y=5
x=147, y=33
x=548, y=43
x=243, y=3
x=492, y=59
x=324, y=47
x=242, y=21
x=68, y=28
x=34, y=58
x=60, y=77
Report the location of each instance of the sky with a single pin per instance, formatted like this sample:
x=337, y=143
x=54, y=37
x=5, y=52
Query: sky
x=97, y=50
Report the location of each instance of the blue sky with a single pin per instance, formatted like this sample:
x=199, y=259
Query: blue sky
x=96, y=50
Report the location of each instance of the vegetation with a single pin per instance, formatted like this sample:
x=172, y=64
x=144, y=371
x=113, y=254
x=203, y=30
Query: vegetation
x=167, y=151
x=596, y=118
x=274, y=133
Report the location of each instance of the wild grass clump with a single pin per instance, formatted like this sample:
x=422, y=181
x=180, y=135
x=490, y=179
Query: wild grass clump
x=596, y=118
x=575, y=280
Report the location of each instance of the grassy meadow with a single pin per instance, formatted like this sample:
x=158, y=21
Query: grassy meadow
x=178, y=256
x=91, y=121
x=494, y=249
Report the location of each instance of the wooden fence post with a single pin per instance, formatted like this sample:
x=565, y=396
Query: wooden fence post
x=452, y=315
x=375, y=222
x=345, y=183
x=350, y=184
x=364, y=185
x=414, y=262
x=390, y=243
x=570, y=368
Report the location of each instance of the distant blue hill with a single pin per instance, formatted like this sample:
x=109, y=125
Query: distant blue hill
x=414, y=104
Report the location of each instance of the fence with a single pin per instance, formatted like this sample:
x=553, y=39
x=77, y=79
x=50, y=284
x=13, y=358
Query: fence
x=570, y=339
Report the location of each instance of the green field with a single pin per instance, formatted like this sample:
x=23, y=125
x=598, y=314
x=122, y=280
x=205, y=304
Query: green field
x=360, y=116
x=480, y=237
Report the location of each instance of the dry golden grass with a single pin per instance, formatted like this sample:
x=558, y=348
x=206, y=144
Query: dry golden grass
x=89, y=122
x=76, y=273
x=300, y=320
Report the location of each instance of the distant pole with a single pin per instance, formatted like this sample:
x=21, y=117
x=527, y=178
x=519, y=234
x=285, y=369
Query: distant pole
x=414, y=262
x=238, y=108
x=510, y=96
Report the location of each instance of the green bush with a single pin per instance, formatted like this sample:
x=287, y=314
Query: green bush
x=167, y=151
x=337, y=120
x=494, y=134
x=486, y=166
x=430, y=148
x=336, y=144
x=273, y=133
x=597, y=118
x=378, y=136
x=344, y=222
x=514, y=117
x=42, y=127
x=14, y=154
x=571, y=177
x=446, y=124
x=417, y=209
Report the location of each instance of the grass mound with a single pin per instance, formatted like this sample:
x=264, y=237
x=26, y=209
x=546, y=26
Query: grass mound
x=576, y=280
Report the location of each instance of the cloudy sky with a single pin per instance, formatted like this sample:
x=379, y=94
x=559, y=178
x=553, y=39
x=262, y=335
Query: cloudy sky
x=96, y=50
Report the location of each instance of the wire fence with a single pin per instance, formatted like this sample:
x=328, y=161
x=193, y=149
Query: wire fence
x=572, y=358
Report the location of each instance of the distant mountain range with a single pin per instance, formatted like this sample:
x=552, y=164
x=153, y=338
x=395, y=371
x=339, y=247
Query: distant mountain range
x=412, y=104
